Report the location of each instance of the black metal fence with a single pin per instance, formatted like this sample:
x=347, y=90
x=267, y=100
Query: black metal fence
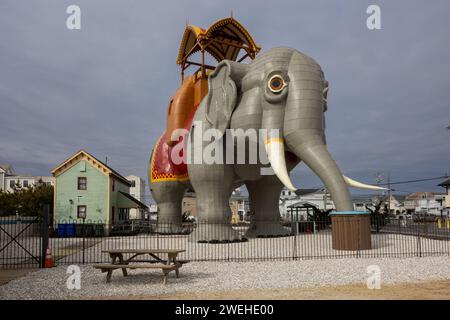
x=23, y=242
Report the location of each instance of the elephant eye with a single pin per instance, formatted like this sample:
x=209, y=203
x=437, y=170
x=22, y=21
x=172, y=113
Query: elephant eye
x=276, y=84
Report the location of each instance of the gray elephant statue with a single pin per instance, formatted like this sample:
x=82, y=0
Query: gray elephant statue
x=283, y=92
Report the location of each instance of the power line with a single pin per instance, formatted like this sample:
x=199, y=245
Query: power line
x=417, y=180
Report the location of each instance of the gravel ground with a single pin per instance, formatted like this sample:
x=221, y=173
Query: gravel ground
x=210, y=276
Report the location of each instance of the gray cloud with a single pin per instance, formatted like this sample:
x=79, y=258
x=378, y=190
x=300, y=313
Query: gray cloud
x=105, y=88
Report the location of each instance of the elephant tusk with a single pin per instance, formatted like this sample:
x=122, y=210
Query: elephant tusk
x=356, y=184
x=275, y=154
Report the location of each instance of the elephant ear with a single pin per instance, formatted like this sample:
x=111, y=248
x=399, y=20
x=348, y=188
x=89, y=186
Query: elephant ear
x=223, y=86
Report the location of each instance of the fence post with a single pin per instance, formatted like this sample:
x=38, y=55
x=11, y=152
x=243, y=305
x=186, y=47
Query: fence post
x=84, y=236
x=44, y=233
x=358, y=226
x=294, y=247
x=419, y=247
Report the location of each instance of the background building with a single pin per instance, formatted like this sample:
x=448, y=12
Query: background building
x=424, y=203
x=137, y=190
x=9, y=179
x=304, y=200
x=446, y=202
x=239, y=206
x=5, y=171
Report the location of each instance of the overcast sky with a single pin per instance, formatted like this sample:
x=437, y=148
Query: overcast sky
x=105, y=88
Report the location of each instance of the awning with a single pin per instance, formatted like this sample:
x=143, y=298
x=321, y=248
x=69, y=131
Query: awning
x=125, y=200
x=222, y=40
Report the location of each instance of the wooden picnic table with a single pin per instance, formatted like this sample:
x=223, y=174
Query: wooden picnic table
x=155, y=262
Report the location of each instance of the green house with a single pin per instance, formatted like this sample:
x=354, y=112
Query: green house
x=89, y=191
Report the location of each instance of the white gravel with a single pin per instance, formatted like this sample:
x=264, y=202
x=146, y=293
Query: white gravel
x=217, y=276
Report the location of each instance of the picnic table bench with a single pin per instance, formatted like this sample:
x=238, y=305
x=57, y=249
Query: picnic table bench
x=156, y=262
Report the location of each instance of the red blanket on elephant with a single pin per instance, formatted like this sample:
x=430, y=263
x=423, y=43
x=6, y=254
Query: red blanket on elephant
x=162, y=168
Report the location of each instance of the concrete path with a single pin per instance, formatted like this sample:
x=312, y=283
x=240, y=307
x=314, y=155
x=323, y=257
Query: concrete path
x=6, y=275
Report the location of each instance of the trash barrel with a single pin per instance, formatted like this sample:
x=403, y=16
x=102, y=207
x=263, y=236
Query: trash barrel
x=350, y=231
x=61, y=232
x=70, y=230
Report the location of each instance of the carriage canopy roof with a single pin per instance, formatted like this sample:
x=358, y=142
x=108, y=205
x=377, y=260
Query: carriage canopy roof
x=224, y=39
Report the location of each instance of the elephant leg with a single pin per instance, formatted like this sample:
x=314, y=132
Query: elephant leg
x=168, y=196
x=213, y=185
x=264, y=204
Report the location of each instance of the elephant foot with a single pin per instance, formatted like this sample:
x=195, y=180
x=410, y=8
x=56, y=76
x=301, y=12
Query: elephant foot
x=267, y=229
x=169, y=228
x=215, y=233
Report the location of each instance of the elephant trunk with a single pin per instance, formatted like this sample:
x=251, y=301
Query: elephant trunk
x=304, y=127
x=317, y=157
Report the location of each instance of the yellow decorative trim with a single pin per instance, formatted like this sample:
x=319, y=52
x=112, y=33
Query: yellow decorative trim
x=159, y=177
x=280, y=140
x=174, y=178
x=81, y=155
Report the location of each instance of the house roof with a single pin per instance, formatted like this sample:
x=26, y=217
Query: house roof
x=303, y=192
x=7, y=168
x=421, y=194
x=238, y=197
x=76, y=157
x=444, y=184
x=133, y=199
x=303, y=204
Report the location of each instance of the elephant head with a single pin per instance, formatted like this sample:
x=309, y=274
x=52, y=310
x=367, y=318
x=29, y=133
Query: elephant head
x=286, y=92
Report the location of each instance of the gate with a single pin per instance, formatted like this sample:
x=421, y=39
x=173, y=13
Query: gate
x=23, y=241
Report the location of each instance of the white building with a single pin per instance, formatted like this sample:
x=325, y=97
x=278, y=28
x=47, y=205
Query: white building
x=446, y=197
x=304, y=198
x=425, y=203
x=5, y=170
x=9, y=179
x=297, y=205
x=152, y=213
x=137, y=190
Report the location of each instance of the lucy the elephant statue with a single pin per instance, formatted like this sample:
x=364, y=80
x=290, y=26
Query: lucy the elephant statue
x=282, y=91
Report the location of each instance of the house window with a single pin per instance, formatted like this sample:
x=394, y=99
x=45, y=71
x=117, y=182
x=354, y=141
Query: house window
x=25, y=183
x=82, y=183
x=133, y=183
x=113, y=185
x=81, y=212
x=12, y=183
